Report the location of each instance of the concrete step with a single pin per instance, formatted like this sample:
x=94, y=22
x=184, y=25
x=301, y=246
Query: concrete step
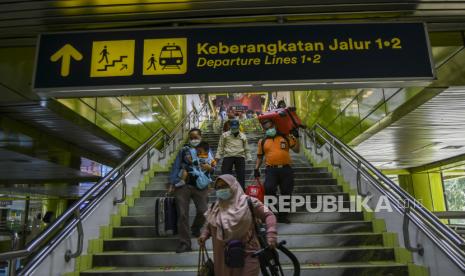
x=164, y=244
x=164, y=179
x=146, y=204
x=283, y=229
x=386, y=268
x=299, y=188
x=298, y=181
x=304, y=255
x=149, y=220
x=148, y=209
x=315, y=207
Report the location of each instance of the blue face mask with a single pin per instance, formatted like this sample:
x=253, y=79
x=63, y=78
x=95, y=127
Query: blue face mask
x=271, y=132
x=224, y=194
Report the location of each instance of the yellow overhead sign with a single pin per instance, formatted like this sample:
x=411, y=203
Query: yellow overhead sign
x=112, y=58
x=166, y=56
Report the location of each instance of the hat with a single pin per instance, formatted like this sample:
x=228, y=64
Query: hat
x=234, y=124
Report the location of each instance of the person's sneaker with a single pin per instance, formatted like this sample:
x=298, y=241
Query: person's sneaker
x=180, y=184
x=183, y=248
x=196, y=232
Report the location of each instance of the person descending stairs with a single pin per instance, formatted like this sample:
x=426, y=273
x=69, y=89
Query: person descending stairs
x=326, y=243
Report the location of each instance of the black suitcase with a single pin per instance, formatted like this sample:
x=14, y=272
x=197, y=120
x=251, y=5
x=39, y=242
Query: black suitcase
x=165, y=216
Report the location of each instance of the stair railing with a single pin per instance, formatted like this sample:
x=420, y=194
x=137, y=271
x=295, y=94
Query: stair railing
x=41, y=247
x=450, y=243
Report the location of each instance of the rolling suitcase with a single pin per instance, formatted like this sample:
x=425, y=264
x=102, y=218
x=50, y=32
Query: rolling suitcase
x=160, y=216
x=171, y=216
x=165, y=216
x=285, y=119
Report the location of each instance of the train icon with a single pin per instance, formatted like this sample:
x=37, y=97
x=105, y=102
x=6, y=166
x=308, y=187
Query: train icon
x=171, y=57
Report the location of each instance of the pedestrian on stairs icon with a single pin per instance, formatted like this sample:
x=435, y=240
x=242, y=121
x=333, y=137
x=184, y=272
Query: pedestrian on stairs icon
x=119, y=63
x=104, y=53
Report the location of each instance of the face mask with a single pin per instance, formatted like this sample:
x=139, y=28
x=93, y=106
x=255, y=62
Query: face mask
x=195, y=142
x=224, y=194
x=271, y=132
x=235, y=131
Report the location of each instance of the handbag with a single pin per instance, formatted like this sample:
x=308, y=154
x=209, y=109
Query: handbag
x=256, y=190
x=234, y=254
x=205, y=265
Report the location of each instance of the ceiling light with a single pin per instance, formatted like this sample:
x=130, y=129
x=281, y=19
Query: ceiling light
x=295, y=84
x=367, y=94
x=211, y=86
x=103, y=89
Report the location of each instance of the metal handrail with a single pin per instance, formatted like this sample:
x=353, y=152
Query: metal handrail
x=450, y=214
x=418, y=214
x=107, y=183
x=12, y=262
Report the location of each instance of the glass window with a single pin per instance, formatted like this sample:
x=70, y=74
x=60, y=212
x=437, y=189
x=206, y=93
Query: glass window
x=368, y=100
x=454, y=189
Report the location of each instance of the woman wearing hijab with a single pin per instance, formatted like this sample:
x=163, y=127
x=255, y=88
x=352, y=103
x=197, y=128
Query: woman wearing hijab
x=230, y=219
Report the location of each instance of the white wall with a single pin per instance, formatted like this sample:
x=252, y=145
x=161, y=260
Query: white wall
x=434, y=258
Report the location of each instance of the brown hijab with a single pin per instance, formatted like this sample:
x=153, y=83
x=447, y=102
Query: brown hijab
x=232, y=215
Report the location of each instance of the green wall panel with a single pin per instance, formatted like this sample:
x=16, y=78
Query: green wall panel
x=16, y=66
x=348, y=113
x=426, y=187
x=130, y=119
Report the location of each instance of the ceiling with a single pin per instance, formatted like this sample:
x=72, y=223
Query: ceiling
x=38, y=192
x=55, y=120
x=21, y=21
x=433, y=131
x=17, y=168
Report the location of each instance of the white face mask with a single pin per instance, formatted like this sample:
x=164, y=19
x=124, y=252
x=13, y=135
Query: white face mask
x=195, y=142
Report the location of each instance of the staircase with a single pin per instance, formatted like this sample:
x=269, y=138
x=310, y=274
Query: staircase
x=325, y=243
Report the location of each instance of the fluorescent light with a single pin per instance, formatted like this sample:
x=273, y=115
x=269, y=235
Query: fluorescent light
x=139, y=120
x=293, y=84
x=211, y=86
x=225, y=86
x=154, y=88
x=368, y=93
x=43, y=103
x=103, y=89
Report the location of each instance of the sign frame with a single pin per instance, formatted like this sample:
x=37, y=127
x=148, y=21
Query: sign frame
x=231, y=86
